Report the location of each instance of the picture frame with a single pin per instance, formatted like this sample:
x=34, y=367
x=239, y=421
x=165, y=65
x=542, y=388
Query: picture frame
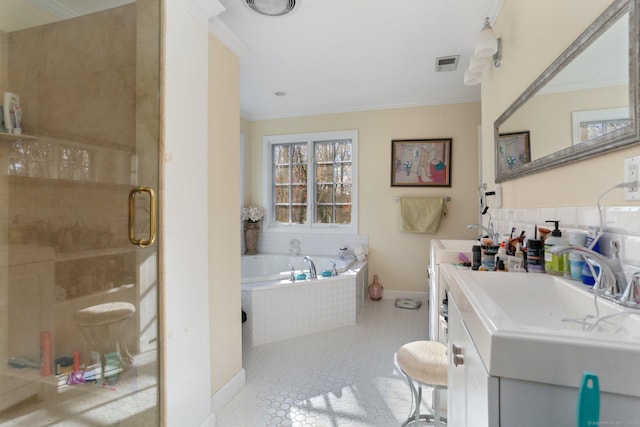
x=514, y=149
x=421, y=162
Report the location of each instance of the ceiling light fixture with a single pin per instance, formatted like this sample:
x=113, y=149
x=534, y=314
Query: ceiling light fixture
x=271, y=7
x=488, y=49
x=280, y=93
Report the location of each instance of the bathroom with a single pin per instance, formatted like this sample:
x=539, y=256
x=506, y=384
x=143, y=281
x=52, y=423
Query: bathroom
x=399, y=259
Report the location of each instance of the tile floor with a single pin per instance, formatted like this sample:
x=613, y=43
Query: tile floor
x=343, y=377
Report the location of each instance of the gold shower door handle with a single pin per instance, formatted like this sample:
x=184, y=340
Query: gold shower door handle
x=152, y=217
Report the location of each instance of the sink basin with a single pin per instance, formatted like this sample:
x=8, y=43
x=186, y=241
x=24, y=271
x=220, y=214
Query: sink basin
x=544, y=301
x=446, y=251
x=543, y=328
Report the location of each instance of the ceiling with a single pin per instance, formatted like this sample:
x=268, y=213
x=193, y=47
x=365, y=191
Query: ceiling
x=328, y=56
x=332, y=56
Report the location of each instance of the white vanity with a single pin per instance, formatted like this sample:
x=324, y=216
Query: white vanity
x=517, y=350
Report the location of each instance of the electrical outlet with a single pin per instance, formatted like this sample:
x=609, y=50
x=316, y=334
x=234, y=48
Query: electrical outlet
x=631, y=166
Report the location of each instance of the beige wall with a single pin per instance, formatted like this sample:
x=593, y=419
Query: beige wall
x=532, y=38
x=224, y=216
x=399, y=258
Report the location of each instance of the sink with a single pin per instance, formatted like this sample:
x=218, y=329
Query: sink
x=544, y=301
x=446, y=251
x=542, y=328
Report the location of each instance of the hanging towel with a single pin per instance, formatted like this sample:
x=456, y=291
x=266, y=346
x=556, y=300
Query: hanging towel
x=422, y=214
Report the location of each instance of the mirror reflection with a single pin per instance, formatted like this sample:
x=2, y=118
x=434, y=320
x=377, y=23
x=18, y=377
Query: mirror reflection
x=580, y=106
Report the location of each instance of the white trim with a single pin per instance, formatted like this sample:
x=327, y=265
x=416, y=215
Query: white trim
x=310, y=138
x=204, y=10
x=228, y=391
x=220, y=30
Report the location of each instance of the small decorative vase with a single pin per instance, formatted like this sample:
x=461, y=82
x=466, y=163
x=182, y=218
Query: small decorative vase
x=375, y=289
x=251, y=234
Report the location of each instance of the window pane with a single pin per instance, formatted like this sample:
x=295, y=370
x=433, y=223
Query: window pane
x=282, y=194
x=324, y=152
x=324, y=214
x=299, y=193
x=342, y=173
x=324, y=173
x=282, y=214
x=281, y=174
x=343, y=193
x=299, y=174
x=298, y=153
x=298, y=214
x=343, y=214
x=281, y=154
x=324, y=193
x=343, y=151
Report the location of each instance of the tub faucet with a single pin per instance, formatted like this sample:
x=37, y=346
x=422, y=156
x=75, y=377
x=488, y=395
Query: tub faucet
x=611, y=278
x=492, y=234
x=312, y=268
x=334, y=271
x=292, y=276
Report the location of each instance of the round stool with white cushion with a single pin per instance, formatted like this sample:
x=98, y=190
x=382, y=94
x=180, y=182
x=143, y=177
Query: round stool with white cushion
x=96, y=322
x=424, y=363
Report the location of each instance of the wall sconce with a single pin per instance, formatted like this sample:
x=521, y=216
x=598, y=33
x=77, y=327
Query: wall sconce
x=488, y=47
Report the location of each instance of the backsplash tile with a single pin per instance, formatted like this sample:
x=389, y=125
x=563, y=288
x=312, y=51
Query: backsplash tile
x=327, y=244
x=622, y=224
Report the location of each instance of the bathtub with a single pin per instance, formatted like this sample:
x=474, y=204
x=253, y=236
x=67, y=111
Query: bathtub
x=278, y=309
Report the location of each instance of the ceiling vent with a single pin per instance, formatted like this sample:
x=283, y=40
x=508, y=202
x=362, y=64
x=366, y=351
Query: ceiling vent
x=447, y=63
x=271, y=7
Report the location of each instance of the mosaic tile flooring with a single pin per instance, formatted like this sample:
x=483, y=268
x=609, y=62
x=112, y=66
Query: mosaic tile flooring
x=344, y=377
x=131, y=402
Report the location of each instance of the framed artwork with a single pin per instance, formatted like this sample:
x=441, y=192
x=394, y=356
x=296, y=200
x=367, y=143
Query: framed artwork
x=514, y=149
x=421, y=162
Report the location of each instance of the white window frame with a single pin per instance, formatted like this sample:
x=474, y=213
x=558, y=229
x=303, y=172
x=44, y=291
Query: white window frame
x=309, y=138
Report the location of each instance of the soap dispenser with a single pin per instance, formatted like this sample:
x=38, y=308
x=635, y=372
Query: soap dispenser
x=553, y=263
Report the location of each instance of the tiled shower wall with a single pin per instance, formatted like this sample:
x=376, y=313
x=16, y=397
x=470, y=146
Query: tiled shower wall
x=622, y=223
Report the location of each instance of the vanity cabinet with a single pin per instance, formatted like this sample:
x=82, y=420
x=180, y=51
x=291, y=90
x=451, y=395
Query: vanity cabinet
x=472, y=392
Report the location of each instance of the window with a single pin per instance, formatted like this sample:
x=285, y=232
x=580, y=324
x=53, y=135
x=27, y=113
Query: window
x=311, y=180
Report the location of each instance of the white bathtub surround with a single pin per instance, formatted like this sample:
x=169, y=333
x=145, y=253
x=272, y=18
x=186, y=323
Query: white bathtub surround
x=325, y=243
x=279, y=309
x=622, y=224
x=269, y=267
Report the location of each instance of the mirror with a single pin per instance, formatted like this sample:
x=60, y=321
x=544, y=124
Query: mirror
x=584, y=104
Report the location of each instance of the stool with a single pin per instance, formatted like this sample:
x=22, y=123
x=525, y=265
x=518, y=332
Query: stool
x=99, y=318
x=424, y=363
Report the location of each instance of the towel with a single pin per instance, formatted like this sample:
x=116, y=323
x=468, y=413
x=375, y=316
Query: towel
x=422, y=214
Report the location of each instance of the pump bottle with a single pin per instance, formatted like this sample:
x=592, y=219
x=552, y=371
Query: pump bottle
x=554, y=264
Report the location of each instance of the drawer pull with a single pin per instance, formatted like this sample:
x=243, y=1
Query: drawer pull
x=457, y=357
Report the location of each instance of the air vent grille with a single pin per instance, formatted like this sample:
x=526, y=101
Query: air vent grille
x=447, y=63
x=271, y=7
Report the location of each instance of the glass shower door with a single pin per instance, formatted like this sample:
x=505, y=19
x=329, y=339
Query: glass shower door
x=79, y=142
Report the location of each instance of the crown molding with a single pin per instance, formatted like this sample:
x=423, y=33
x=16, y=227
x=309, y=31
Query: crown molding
x=204, y=10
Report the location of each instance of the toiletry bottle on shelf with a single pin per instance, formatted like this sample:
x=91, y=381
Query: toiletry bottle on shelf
x=501, y=258
x=592, y=243
x=554, y=264
x=45, y=354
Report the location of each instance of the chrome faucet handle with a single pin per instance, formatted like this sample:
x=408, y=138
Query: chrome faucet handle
x=292, y=276
x=334, y=272
x=631, y=295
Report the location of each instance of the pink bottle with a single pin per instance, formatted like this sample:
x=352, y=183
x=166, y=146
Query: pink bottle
x=45, y=354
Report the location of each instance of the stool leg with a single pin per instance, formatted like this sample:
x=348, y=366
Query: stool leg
x=121, y=345
x=436, y=407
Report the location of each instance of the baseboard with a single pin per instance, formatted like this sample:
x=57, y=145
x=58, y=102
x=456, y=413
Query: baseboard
x=422, y=296
x=226, y=393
